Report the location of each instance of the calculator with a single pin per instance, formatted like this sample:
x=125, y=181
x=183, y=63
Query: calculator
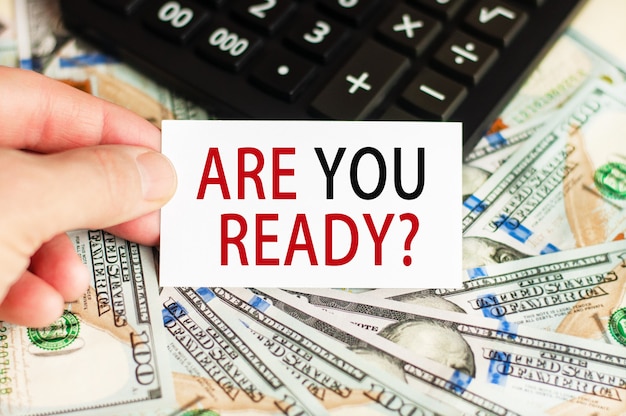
x=435, y=60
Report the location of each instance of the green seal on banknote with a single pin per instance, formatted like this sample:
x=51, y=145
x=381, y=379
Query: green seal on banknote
x=58, y=335
x=617, y=325
x=610, y=179
x=200, y=412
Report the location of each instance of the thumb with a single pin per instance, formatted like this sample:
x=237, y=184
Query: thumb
x=88, y=187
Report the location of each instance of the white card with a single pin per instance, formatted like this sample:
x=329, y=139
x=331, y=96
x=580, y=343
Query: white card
x=280, y=204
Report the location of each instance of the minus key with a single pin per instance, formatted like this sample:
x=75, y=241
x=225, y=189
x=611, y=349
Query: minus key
x=434, y=94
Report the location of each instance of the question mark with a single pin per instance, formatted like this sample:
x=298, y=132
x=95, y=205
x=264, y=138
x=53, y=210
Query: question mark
x=415, y=225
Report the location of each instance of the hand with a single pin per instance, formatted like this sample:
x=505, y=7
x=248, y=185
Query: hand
x=68, y=161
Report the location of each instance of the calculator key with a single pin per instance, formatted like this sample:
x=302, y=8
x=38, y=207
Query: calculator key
x=409, y=30
x=361, y=83
x=267, y=15
x=228, y=44
x=283, y=73
x=354, y=11
x=395, y=113
x=534, y=2
x=125, y=7
x=433, y=94
x=496, y=19
x=176, y=20
x=466, y=56
x=444, y=8
x=317, y=36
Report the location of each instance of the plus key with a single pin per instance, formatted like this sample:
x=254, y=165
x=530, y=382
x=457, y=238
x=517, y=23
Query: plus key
x=361, y=84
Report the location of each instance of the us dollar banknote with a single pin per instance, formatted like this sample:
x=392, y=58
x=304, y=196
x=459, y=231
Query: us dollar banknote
x=46, y=46
x=454, y=384
x=563, y=189
x=573, y=61
x=580, y=292
x=340, y=379
x=216, y=366
x=563, y=373
x=493, y=150
x=454, y=387
x=106, y=353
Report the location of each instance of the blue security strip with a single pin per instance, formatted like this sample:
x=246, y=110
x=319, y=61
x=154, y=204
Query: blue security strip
x=472, y=202
x=510, y=328
x=259, y=304
x=488, y=310
x=167, y=316
x=489, y=302
x=549, y=248
x=87, y=60
x=206, y=294
x=177, y=309
x=495, y=372
x=496, y=140
x=520, y=233
x=460, y=380
x=476, y=272
x=27, y=64
x=495, y=376
x=498, y=368
x=174, y=310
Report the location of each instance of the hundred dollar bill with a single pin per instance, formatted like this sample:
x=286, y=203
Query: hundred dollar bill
x=564, y=374
x=454, y=384
x=486, y=158
x=105, y=355
x=218, y=367
x=580, y=292
x=563, y=189
x=47, y=47
x=342, y=380
x=573, y=61
x=353, y=289
x=453, y=387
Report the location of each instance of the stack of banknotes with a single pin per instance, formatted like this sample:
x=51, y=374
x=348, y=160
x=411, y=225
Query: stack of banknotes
x=538, y=326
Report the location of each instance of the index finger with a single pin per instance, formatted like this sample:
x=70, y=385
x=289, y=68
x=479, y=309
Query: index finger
x=44, y=115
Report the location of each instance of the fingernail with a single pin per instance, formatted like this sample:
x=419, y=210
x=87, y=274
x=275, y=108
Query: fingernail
x=158, y=178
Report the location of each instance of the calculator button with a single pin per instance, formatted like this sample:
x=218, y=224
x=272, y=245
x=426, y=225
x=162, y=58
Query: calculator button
x=433, y=94
x=283, y=73
x=266, y=16
x=497, y=20
x=354, y=11
x=466, y=56
x=395, y=113
x=447, y=9
x=409, y=30
x=125, y=7
x=176, y=20
x=227, y=44
x=360, y=85
x=317, y=36
x=534, y=2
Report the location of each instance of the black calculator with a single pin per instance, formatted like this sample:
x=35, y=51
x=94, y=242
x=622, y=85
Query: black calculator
x=447, y=60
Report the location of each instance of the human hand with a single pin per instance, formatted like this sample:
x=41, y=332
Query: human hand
x=68, y=161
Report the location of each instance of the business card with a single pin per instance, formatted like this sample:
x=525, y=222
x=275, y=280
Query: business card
x=358, y=204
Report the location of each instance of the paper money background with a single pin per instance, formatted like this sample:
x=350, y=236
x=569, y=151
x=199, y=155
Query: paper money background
x=531, y=331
